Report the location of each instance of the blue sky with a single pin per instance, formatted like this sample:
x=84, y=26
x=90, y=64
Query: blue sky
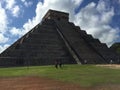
x=101, y=18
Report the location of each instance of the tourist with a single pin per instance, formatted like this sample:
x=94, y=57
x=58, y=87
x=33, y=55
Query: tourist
x=56, y=63
x=60, y=63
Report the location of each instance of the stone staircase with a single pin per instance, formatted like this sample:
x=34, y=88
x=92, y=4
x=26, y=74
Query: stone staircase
x=41, y=46
x=88, y=49
x=56, y=39
x=100, y=48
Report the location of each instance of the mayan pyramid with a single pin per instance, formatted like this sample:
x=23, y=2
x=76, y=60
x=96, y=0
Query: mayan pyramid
x=55, y=38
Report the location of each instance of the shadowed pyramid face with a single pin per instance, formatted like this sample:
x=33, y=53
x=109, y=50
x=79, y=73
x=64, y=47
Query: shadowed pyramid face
x=55, y=38
x=56, y=15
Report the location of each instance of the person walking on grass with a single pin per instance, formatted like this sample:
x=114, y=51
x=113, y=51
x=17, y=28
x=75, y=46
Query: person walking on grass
x=58, y=63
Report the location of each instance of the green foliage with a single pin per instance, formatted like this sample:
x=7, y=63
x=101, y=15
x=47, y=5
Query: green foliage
x=85, y=75
x=116, y=47
x=118, y=50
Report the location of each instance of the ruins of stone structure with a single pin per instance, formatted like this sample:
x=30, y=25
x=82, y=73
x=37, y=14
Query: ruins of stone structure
x=55, y=38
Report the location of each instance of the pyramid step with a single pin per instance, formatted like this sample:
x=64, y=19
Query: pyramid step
x=8, y=61
x=43, y=35
x=48, y=22
x=34, y=45
x=61, y=53
x=17, y=61
x=43, y=42
x=45, y=31
x=82, y=33
x=48, y=61
x=47, y=28
x=79, y=45
x=15, y=53
x=56, y=39
x=102, y=49
x=89, y=38
x=44, y=26
x=42, y=52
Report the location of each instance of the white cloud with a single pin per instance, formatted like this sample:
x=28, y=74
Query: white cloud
x=3, y=27
x=16, y=10
x=3, y=39
x=77, y=2
x=3, y=20
x=60, y=5
x=12, y=7
x=23, y=0
x=101, y=7
x=95, y=19
x=10, y=4
x=16, y=31
x=27, y=4
x=40, y=11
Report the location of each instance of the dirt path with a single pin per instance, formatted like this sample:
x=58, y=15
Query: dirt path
x=114, y=66
x=35, y=83
x=38, y=83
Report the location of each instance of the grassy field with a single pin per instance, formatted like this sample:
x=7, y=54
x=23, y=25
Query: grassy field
x=85, y=75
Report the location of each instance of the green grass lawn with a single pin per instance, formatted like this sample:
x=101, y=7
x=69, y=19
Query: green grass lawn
x=85, y=75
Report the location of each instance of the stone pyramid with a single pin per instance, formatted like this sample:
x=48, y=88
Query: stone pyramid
x=55, y=38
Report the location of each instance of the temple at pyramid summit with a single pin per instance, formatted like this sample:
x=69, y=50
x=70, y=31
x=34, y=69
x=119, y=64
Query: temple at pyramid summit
x=55, y=38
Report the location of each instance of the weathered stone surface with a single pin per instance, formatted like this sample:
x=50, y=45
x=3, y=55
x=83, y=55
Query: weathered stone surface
x=56, y=39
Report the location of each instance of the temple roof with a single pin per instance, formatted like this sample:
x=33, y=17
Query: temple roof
x=52, y=14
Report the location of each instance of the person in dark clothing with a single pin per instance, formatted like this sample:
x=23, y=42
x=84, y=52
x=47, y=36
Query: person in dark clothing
x=58, y=63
